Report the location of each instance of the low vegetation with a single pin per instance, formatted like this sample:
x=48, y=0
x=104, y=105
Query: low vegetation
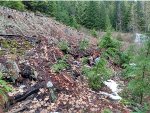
x=4, y=89
x=60, y=65
x=83, y=44
x=13, y=47
x=97, y=74
x=112, y=50
x=94, y=33
x=139, y=72
x=64, y=46
x=106, y=111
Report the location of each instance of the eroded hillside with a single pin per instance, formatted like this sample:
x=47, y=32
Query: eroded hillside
x=45, y=77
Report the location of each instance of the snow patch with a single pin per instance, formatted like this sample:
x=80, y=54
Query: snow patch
x=132, y=64
x=113, y=96
x=49, y=84
x=140, y=38
x=111, y=84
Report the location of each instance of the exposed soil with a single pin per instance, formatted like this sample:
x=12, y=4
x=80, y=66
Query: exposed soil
x=40, y=52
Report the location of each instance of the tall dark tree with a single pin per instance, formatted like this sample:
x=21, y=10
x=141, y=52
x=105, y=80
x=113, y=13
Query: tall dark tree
x=13, y=4
x=52, y=8
x=126, y=15
x=102, y=15
x=91, y=18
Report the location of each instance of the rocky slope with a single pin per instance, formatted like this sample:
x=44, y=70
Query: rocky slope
x=30, y=24
x=28, y=50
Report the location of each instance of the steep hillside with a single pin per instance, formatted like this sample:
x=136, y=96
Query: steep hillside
x=30, y=24
x=43, y=75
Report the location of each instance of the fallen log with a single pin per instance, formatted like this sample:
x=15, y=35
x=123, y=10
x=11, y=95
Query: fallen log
x=31, y=39
x=11, y=35
x=34, y=89
x=24, y=106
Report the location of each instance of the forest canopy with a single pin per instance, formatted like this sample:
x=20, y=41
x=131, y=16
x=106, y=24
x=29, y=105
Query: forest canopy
x=124, y=16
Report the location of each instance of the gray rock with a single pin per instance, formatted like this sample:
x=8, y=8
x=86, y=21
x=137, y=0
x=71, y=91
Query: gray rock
x=97, y=60
x=27, y=71
x=3, y=69
x=12, y=70
x=49, y=84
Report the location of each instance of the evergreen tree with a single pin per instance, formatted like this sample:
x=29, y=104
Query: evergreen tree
x=126, y=9
x=111, y=13
x=80, y=7
x=52, y=8
x=91, y=17
x=123, y=15
x=30, y=5
x=108, y=25
x=62, y=14
x=139, y=85
x=13, y=4
x=140, y=16
x=102, y=15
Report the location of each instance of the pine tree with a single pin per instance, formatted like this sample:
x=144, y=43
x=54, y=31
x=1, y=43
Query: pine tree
x=126, y=15
x=13, y=4
x=101, y=14
x=52, y=8
x=147, y=14
x=139, y=85
x=140, y=16
x=108, y=25
x=91, y=17
x=79, y=7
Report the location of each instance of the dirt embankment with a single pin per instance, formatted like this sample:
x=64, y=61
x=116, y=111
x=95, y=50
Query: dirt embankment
x=33, y=52
x=24, y=23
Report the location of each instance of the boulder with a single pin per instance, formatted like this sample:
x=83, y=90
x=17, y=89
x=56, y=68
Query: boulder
x=27, y=71
x=10, y=70
x=97, y=60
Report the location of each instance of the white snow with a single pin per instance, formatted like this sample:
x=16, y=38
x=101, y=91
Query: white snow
x=139, y=38
x=132, y=64
x=114, y=96
x=111, y=84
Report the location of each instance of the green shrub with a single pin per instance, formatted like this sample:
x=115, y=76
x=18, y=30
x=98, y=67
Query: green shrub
x=97, y=74
x=73, y=23
x=112, y=50
x=64, y=46
x=124, y=58
x=106, y=111
x=108, y=42
x=84, y=60
x=139, y=83
x=144, y=109
x=83, y=44
x=94, y=33
x=118, y=57
x=5, y=44
x=14, y=47
x=60, y=65
x=13, y=4
x=85, y=70
x=4, y=88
